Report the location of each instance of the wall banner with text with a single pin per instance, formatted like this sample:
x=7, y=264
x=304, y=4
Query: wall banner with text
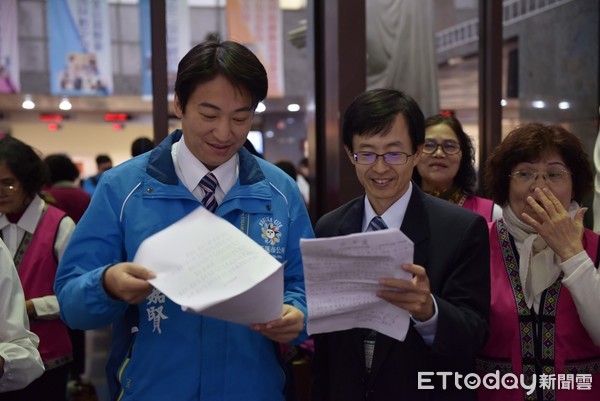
x=79, y=47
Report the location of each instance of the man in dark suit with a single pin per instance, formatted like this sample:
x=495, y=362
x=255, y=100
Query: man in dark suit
x=449, y=294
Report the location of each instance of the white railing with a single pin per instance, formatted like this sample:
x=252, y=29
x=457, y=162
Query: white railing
x=512, y=11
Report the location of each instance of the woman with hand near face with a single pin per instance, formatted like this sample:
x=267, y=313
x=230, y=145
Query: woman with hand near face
x=446, y=168
x=545, y=284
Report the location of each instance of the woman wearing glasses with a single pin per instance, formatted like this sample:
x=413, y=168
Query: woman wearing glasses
x=446, y=169
x=36, y=235
x=544, y=326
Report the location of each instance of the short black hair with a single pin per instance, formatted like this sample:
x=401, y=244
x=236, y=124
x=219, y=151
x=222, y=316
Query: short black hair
x=25, y=163
x=61, y=168
x=288, y=167
x=207, y=60
x=101, y=159
x=373, y=112
x=141, y=145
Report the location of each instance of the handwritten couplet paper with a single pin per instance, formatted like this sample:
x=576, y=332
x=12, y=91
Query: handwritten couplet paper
x=206, y=265
x=341, y=276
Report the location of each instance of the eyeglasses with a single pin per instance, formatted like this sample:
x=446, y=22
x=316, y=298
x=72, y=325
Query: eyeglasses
x=389, y=157
x=554, y=177
x=449, y=147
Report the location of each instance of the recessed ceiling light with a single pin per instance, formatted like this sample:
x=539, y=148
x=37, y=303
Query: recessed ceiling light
x=28, y=103
x=65, y=104
x=538, y=104
x=564, y=105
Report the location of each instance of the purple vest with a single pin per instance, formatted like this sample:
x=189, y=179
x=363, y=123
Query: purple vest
x=37, y=271
x=566, y=350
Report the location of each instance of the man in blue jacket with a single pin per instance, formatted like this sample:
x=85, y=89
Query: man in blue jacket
x=191, y=357
x=103, y=163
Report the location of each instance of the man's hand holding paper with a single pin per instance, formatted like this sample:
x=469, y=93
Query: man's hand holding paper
x=412, y=295
x=284, y=329
x=128, y=282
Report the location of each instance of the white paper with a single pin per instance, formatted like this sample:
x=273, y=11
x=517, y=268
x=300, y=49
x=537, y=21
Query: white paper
x=206, y=265
x=341, y=276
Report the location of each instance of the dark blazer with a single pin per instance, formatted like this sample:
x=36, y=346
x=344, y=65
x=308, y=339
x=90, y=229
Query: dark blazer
x=452, y=244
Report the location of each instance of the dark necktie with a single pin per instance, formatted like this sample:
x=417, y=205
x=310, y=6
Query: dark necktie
x=377, y=224
x=209, y=184
x=369, y=343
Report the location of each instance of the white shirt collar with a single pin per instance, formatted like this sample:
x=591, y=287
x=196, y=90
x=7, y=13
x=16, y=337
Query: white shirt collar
x=30, y=219
x=393, y=216
x=190, y=170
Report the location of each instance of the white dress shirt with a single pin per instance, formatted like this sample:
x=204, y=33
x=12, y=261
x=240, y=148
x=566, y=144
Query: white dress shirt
x=393, y=218
x=18, y=345
x=190, y=171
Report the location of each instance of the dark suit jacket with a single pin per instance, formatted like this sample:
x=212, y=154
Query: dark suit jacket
x=452, y=244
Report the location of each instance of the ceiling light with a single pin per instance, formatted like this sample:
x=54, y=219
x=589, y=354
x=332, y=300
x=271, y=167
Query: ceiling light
x=538, y=104
x=503, y=102
x=564, y=105
x=260, y=107
x=293, y=107
x=292, y=4
x=28, y=103
x=65, y=104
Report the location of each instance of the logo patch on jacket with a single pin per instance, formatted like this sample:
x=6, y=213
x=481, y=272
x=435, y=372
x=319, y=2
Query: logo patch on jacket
x=271, y=230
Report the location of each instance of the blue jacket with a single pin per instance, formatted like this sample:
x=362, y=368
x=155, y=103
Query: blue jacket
x=188, y=356
x=89, y=184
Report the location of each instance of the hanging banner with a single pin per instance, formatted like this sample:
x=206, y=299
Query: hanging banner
x=79, y=47
x=258, y=25
x=9, y=51
x=393, y=64
x=178, y=41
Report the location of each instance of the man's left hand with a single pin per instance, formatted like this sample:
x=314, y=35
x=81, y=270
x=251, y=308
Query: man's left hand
x=413, y=295
x=284, y=329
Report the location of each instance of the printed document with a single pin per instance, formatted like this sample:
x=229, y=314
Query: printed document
x=208, y=266
x=341, y=275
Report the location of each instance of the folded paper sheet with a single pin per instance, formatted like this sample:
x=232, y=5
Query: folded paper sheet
x=206, y=265
x=341, y=275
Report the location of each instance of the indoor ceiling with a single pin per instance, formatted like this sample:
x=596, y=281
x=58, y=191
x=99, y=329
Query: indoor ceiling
x=88, y=107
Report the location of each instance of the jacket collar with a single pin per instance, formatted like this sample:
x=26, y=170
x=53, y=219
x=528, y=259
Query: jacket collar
x=415, y=224
x=161, y=167
x=351, y=221
x=416, y=227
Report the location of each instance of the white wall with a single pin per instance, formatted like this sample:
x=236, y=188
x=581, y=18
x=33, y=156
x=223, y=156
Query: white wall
x=82, y=141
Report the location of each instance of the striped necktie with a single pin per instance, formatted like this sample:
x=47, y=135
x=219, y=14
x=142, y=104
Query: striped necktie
x=209, y=184
x=370, y=335
x=377, y=224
